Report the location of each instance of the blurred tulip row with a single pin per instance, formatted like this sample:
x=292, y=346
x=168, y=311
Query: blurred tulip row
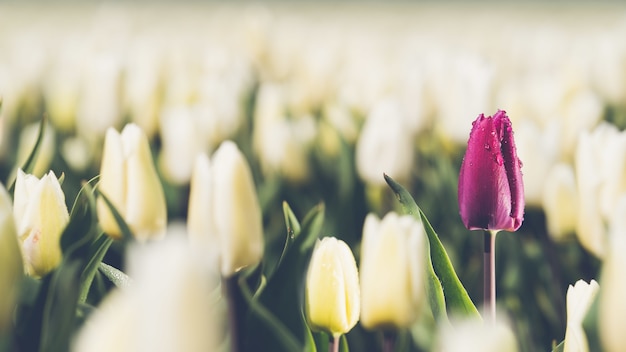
x=234, y=118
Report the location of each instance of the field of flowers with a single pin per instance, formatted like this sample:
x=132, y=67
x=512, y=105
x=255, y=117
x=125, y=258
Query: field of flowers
x=210, y=177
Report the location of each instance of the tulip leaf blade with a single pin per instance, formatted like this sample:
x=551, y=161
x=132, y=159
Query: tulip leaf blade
x=590, y=325
x=293, y=229
x=287, y=282
x=59, y=311
x=29, y=165
x=80, y=230
x=97, y=251
x=455, y=295
x=343, y=344
x=281, y=332
x=116, y=276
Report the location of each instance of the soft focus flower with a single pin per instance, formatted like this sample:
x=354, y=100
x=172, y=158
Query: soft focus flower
x=475, y=335
x=385, y=145
x=130, y=181
x=392, y=271
x=11, y=266
x=224, y=210
x=612, y=308
x=40, y=217
x=332, y=287
x=491, y=190
x=601, y=180
x=172, y=305
x=560, y=201
x=579, y=299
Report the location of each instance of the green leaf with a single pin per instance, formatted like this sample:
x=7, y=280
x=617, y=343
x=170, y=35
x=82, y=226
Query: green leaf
x=293, y=229
x=80, y=230
x=60, y=309
x=309, y=340
x=97, y=251
x=127, y=233
x=29, y=164
x=117, y=277
x=283, y=294
x=456, y=297
x=281, y=332
x=343, y=344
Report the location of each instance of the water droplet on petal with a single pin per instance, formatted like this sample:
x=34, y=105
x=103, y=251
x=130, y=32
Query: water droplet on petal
x=487, y=146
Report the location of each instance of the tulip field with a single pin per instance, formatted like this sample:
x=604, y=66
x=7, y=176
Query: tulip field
x=301, y=176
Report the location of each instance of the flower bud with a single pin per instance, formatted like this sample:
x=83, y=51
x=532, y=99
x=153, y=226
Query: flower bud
x=224, y=211
x=475, y=335
x=579, y=299
x=491, y=190
x=11, y=266
x=560, y=201
x=392, y=272
x=332, y=287
x=40, y=217
x=129, y=180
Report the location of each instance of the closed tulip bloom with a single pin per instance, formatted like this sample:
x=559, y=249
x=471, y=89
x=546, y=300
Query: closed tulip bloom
x=332, y=288
x=224, y=210
x=392, y=272
x=11, y=266
x=130, y=181
x=491, y=190
x=579, y=299
x=40, y=216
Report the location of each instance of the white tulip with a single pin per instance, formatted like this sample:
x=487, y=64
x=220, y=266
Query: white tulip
x=171, y=307
x=560, y=201
x=392, y=271
x=579, y=299
x=40, y=217
x=385, y=145
x=475, y=335
x=224, y=211
x=332, y=287
x=130, y=181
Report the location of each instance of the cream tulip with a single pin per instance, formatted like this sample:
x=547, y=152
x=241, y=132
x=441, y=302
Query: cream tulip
x=224, y=211
x=560, y=201
x=392, y=271
x=11, y=266
x=129, y=180
x=332, y=288
x=475, y=335
x=579, y=299
x=40, y=217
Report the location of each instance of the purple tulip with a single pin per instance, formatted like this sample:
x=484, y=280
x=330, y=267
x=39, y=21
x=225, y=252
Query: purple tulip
x=491, y=190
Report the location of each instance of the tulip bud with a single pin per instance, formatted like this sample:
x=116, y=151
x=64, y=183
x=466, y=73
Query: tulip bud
x=40, y=217
x=475, y=335
x=130, y=181
x=579, y=299
x=332, y=288
x=11, y=266
x=392, y=272
x=224, y=210
x=491, y=191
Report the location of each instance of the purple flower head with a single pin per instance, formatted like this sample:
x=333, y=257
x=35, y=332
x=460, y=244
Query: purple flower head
x=491, y=190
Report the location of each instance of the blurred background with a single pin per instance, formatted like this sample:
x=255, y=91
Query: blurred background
x=323, y=98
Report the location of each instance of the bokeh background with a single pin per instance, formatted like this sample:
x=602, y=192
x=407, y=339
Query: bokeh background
x=325, y=97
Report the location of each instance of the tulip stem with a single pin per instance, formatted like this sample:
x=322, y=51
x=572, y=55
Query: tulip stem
x=389, y=341
x=234, y=298
x=333, y=344
x=489, y=283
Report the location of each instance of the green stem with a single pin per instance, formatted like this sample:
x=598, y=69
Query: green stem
x=235, y=300
x=489, y=271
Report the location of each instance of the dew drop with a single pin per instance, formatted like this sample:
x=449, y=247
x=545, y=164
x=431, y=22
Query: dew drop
x=487, y=146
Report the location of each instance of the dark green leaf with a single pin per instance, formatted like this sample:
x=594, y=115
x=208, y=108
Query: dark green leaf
x=560, y=347
x=97, y=251
x=455, y=294
x=283, y=295
x=343, y=344
x=60, y=309
x=80, y=230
